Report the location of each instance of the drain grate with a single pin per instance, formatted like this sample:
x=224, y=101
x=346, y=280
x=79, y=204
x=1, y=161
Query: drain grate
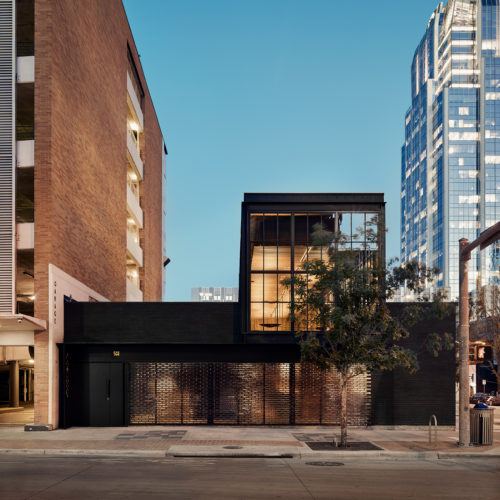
x=325, y=464
x=231, y=447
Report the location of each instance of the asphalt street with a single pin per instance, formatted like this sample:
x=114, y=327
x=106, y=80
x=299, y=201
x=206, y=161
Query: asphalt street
x=29, y=477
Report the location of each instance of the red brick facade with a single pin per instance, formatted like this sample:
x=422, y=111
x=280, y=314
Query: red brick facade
x=80, y=161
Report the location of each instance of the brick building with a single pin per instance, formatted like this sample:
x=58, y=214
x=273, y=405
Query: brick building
x=82, y=169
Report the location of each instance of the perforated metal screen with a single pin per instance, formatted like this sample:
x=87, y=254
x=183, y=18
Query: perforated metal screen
x=242, y=394
x=7, y=166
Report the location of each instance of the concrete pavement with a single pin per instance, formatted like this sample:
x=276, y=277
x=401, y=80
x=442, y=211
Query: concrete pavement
x=231, y=441
x=225, y=441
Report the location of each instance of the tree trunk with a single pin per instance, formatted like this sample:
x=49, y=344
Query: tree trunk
x=343, y=411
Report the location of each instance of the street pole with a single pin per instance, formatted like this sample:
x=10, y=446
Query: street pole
x=486, y=238
x=463, y=348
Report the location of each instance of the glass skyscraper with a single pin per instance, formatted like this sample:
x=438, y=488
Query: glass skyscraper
x=450, y=176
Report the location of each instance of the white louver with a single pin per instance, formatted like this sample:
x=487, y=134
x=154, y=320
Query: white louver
x=7, y=164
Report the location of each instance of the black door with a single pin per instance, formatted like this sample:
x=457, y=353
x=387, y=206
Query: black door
x=106, y=394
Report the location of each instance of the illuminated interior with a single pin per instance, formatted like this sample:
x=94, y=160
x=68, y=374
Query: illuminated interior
x=280, y=245
x=134, y=217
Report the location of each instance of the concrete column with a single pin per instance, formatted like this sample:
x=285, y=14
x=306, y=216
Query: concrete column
x=25, y=386
x=33, y=385
x=14, y=383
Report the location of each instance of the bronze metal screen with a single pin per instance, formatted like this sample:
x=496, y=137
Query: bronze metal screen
x=242, y=394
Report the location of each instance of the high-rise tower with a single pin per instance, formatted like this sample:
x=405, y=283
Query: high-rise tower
x=450, y=176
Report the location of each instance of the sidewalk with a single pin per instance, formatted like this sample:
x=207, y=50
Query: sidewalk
x=221, y=441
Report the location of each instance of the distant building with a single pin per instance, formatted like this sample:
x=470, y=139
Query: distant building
x=214, y=294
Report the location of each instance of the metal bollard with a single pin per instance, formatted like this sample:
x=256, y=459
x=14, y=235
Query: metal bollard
x=433, y=418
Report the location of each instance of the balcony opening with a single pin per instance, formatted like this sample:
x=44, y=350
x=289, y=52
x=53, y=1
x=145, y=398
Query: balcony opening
x=134, y=77
x=25, y=195
x=133, y=272
x=133, y=228
x=133, y=180
x=133, y=128
x=25, y=28
x=25, y=282
x=25, y=112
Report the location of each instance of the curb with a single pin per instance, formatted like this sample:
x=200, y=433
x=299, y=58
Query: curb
x=85, y=453
x=450, y=455
x=251, y=453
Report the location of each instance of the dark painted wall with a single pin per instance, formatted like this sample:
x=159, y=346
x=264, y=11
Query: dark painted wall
x=151, y=323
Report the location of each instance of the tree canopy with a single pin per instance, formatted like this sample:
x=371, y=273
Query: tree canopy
x=340, y=310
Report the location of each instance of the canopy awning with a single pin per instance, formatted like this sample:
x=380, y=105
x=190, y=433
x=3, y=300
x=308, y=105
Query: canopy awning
x=19, y=329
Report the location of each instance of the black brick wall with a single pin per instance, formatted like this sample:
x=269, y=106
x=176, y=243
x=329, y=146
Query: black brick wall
x=151, y=323
x=400, y=398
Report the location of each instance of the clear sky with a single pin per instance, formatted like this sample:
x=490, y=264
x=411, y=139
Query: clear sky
x=272, y=96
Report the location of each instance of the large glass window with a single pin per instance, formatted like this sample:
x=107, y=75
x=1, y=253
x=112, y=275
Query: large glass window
x=281, y=243
x=270, y=257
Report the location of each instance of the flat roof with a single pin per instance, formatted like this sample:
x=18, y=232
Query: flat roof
x=313, y=198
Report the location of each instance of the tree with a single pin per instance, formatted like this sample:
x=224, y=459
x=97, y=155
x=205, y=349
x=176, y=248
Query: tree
x=340, y=309
x=485, y=321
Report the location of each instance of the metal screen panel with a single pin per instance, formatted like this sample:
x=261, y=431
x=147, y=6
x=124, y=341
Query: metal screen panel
x=7, y=164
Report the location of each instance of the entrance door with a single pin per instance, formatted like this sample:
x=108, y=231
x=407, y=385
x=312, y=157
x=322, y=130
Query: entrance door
x=106, y=394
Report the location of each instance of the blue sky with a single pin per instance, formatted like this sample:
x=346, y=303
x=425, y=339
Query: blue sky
x=272, y=96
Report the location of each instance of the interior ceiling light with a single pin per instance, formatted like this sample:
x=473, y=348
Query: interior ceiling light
x=134, y=126
x=133, y=176
x=130, y=220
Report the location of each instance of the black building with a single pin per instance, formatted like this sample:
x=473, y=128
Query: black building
x=238, y=363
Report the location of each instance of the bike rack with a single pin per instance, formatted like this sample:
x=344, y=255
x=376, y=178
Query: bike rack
x=431, y=433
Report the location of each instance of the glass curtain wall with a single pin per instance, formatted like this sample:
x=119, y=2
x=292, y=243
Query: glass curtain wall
x=491, y=55
x=281, y=244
